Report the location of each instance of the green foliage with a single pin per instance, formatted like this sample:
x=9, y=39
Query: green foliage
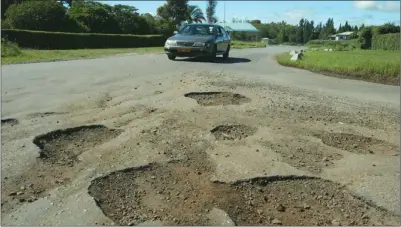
x=211, y=11
x=370, y=65
x=62, y=40
x=43, y=15
x=195, y=14
x=365, y=38
x=9, y=49
x=341, y=45
x=389, y=41
x=97, y=17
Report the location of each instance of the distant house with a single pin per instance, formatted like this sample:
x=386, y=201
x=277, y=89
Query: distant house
x=242, y=30
x=341, y=36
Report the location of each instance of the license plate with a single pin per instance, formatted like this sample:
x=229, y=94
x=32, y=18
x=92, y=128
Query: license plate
x=184, y=49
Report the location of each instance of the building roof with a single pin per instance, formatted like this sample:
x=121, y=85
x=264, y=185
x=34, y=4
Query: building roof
x=345, y=33
x=239, y=27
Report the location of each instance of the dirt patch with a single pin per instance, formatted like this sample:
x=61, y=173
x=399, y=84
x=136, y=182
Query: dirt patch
x=180, y=194
x=9, y=122
x=56, y=165
x=217, y=98
x=232, y=132
x=303, y=154
x=357, y=144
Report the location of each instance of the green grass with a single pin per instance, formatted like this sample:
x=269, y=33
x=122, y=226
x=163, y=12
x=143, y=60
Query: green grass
x=243, y=45
x=12, y=54
x=369, y=65
x=30, y=56
x=335, y=45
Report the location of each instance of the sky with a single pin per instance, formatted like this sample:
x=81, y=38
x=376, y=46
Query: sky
x=355, y=12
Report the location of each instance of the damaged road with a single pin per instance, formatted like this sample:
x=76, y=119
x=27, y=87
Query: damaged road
x=140, y=140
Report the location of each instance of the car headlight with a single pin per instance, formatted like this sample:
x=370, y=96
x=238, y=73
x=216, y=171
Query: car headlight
x=170, y=43
x=199, y=44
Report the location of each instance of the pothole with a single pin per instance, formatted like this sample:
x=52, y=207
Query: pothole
x=232, y=132
x=57, y=163
x=9, y=122
x=358, y=144
x=63, y=146
x=217, y=98
x=179, y=194
x=303, y=154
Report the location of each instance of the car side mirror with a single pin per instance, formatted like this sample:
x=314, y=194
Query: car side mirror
x=175, y=32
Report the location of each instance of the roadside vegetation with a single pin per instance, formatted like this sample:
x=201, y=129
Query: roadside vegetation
x=242, y=45
x=370, y=65
x=18, y=56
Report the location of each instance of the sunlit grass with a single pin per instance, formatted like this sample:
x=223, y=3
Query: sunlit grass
x=30, y=56
x=370, y=65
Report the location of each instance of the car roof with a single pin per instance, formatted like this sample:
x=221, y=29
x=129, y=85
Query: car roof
x=214, y=25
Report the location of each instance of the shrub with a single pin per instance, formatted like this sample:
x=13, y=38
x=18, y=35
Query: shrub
x=389, y=41
x=43, y=15
x=63, y=40
x=9, y=49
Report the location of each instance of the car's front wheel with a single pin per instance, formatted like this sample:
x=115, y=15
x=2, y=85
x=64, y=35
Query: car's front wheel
x=171, y=57
x=226, y=54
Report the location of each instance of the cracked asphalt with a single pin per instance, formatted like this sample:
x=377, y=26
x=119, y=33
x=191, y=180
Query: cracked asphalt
x=306, y=124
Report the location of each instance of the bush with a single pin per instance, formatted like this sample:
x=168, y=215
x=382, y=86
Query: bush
x=336, y=45
x=9, y=49
x=43, y=15
x=62, y=40
x=389, y=41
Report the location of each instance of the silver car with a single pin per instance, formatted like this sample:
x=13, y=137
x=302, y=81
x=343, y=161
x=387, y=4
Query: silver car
x=196, y=40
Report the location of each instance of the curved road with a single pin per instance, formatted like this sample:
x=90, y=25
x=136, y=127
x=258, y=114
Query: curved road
x=133, y=92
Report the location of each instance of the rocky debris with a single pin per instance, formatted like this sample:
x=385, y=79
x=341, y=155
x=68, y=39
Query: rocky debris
x=232, y=132
x=218, y=217
x=276, y=222
x=280, y=208
x=217, y=98
x=335, y=222
x=151, y=223
x=293, y=52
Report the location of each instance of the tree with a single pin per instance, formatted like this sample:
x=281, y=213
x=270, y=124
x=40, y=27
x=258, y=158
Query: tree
x=128, y=19
x=211, y=11
x=37, y=15
x=195, y=14
x=5, y=4
x=300, y=32
x=255, y=22
x=97, y=17
x=174, y=10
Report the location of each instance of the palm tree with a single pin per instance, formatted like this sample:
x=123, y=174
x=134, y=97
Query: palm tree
x=195, y=14
x=210, y=11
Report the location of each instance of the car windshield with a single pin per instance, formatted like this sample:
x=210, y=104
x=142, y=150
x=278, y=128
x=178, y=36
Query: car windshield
x=198, y=30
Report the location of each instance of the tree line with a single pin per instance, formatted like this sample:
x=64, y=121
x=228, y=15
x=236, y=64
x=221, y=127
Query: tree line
x=303, y=32
x=95, y=17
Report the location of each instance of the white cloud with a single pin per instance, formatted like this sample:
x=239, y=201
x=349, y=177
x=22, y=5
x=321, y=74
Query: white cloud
x=388, y=6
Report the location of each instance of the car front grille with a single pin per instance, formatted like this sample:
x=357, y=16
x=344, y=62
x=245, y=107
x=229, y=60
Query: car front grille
x=187, y=44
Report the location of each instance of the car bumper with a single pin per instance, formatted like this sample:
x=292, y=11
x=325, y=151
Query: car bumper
x=193, y=51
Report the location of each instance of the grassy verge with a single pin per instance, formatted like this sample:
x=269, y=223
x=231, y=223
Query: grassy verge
x=368, y=65
x=30, y=56
x=243, y=45
x=12, y=54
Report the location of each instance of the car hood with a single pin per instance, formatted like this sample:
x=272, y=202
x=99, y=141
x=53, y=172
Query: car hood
x=191, y=38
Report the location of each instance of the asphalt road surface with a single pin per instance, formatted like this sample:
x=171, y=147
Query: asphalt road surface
x=325, y=144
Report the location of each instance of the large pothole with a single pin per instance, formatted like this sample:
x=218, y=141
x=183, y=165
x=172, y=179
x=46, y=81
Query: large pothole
x=179, y=194
x=232, y=132
x=358, y=144
x=63, y=146
x=9, y=122
x=217, y=98
x=58, y=154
